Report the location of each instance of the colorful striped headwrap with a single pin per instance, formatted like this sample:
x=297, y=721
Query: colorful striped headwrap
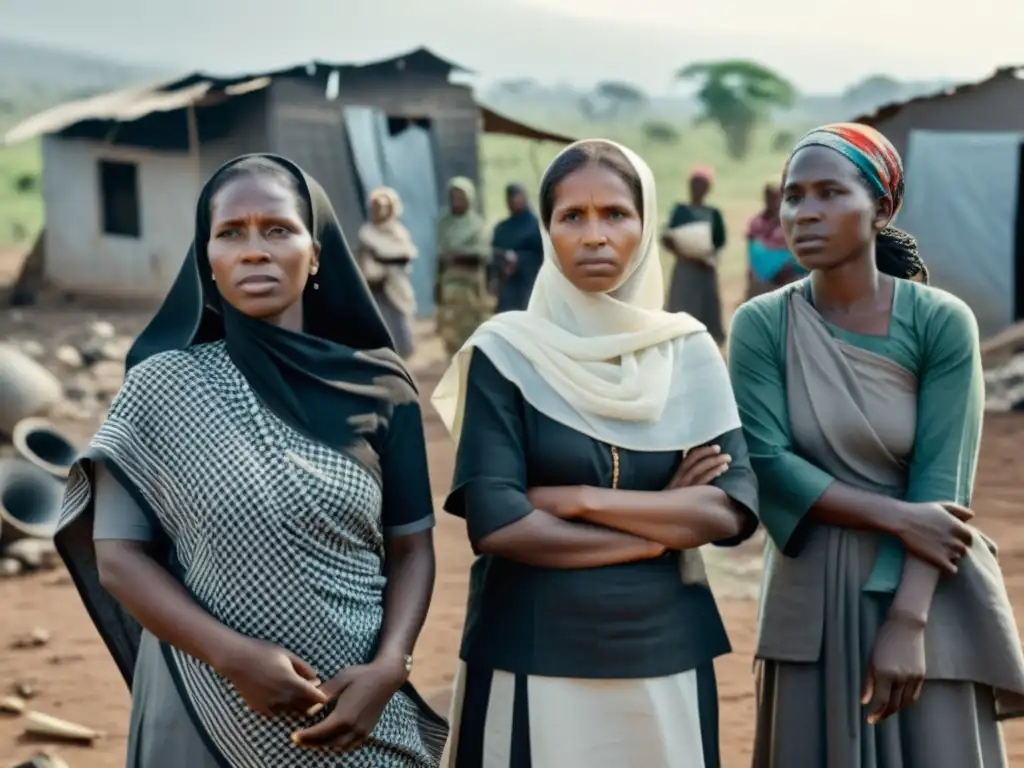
x=875, y=157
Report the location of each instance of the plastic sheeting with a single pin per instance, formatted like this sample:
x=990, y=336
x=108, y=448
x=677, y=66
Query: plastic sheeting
x=405, y=162
x=365, y=128
x=961, y=205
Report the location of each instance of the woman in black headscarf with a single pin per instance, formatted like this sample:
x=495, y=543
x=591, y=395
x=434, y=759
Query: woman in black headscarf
x=519, y=251
x=228, y=526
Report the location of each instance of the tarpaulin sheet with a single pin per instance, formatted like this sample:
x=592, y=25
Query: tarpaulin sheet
x=961, y=205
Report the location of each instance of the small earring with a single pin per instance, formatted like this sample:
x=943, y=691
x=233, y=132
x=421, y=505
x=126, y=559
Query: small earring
x=316, y=286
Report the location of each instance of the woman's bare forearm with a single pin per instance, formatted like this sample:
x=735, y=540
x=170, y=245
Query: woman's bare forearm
x=682, y=518
x=545, y=541
x=913, y=599
x=848, y=507
x=159, y=602
x=410, y=570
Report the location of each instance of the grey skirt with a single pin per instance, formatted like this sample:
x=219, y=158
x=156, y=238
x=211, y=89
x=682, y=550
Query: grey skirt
x=161, y=733
x=809, y=714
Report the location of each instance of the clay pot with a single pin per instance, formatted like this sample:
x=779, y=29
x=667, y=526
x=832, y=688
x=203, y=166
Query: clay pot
x=30, y=501
x=40, y=442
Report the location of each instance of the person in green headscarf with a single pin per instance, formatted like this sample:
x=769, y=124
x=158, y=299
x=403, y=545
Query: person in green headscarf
x=463, y=253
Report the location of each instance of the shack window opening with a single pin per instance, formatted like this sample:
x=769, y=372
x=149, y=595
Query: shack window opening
x=119, y=187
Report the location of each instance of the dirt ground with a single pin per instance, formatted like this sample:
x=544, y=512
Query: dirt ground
x=77, y=681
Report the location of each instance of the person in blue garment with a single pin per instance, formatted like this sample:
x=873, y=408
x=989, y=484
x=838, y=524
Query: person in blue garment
x=518, y=251
x=771, y=265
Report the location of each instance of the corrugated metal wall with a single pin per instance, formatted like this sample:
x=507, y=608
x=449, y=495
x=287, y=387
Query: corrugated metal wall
x=310, y=131
x=305, y=127
x=454, y=115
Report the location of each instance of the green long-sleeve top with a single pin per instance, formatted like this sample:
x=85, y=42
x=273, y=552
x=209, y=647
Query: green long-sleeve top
x=932, y=334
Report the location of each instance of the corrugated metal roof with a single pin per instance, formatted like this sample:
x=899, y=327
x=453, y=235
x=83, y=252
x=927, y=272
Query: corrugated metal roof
x=494, y=122
x=887, y=111
x=200, y=89
x=129, y=104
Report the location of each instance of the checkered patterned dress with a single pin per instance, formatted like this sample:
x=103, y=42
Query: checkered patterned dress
x=278, y=537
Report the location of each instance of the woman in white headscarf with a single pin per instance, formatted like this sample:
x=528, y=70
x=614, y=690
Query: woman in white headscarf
x=591, y=629
x=386, y=251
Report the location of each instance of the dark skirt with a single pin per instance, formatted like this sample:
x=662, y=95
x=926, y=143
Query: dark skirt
x=694, y=290
x=398, y=324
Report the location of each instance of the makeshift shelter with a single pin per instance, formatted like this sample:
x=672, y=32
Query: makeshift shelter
x=122, y=171
x=962, y=149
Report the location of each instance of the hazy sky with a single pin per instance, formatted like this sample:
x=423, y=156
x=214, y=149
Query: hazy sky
x=822, y=46
x=963, y=38
x=976, y=33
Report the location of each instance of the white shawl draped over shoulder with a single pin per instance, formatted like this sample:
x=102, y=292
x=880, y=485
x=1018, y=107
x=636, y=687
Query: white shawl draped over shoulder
x=614, y=366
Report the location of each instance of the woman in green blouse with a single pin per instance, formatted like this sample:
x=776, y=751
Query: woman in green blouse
x=884, y=621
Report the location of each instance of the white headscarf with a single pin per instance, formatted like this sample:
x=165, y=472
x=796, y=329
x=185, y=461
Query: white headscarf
x=615, y=366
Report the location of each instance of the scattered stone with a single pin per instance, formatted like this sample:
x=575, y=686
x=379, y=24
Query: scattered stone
x=59, y=580
x=33, y=349
x=108, y=376
x=82, y=386
x=67, y=658
x=12, y=705
x=116, y=350
x=25, y=689
x=9, y=567
x=103, y=330
x=43, y=760
x=34, y=554
x=48, y=727
x=69, y=357
x=37, y=638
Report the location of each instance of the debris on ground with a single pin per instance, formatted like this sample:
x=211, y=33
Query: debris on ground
x=43, y=760
x=25, y=689
x=12, y=705
x=37, y=638
x=44, y=726
x=1004, y=386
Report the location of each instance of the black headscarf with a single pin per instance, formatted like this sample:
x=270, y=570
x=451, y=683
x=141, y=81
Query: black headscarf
x=337, y=382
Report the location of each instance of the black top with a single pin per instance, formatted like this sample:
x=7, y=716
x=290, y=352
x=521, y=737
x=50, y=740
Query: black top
x=632, y=620
x=685, y=213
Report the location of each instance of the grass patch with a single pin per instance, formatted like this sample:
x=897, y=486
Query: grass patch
x=21, y=198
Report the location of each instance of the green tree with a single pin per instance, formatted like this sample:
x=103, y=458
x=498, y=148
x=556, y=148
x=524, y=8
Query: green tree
x=610, y=99
x=736, y=95
x=661, y=133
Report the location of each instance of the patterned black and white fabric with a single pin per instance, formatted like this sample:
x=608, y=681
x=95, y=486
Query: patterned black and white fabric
x=277, y=536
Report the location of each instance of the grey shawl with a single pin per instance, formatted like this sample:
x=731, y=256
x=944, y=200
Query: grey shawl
x=855, y=412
